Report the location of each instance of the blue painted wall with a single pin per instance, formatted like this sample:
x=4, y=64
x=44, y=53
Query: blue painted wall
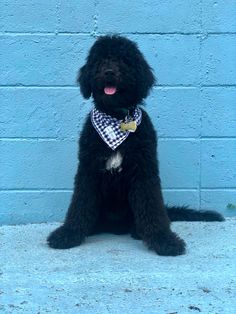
x=192, y=47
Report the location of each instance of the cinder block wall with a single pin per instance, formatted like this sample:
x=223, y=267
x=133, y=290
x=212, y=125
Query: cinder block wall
x=191, y=45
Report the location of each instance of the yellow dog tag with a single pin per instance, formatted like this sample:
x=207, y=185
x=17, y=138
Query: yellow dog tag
x=128, y=126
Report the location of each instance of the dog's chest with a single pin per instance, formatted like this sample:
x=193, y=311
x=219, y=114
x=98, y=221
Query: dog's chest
x=114, y=162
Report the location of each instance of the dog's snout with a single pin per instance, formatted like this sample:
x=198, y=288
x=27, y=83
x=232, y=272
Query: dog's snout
x=109, y=72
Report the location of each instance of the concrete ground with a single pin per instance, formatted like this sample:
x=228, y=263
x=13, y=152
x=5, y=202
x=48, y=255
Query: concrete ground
x=116, y=274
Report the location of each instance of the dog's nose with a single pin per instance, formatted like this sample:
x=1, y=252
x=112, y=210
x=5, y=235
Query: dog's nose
x=109, y=72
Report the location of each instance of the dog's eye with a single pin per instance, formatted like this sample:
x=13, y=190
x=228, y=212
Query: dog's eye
x=127, y=61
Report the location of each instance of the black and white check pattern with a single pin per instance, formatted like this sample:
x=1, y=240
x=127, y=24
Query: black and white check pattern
x=109, y=128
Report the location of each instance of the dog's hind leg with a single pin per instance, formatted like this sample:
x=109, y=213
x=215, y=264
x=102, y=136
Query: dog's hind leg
x=151, y=220
x=81, y=215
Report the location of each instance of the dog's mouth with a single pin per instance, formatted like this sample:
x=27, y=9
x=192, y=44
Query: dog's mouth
x=110, y=90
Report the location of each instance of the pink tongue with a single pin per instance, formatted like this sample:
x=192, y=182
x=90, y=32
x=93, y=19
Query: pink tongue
x=110, y=90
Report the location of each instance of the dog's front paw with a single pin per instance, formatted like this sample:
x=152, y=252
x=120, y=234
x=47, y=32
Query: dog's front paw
x=64, y=238
x=167, y=245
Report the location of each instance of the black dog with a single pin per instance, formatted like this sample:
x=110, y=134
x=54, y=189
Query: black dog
x=117, y=187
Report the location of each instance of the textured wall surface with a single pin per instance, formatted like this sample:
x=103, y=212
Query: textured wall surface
x=192, y=47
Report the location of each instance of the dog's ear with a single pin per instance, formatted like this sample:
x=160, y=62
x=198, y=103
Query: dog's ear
x=146, y=77
x=84, y=82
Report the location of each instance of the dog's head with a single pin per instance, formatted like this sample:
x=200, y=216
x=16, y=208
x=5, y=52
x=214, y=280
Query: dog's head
x=116, y=75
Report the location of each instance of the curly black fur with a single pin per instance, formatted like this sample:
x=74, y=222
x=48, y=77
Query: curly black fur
x=127, y=201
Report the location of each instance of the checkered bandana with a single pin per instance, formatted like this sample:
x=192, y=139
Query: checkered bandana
x=109, y=128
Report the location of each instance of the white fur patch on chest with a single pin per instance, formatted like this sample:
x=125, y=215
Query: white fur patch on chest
x=114, y=162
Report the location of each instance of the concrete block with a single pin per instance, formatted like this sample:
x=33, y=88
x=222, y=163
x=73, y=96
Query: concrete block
x=38, y=164
x=28, y=16
x=218, y=60
x=174, y=58
x=63, y=16
x=42, y=59
x=223, y=201
x=219, y=16
x=55, y=59
x=218, y=163
x=76, y=16
x=148, y=16
x=22, y=207
x=42, y=112
x=179, y=163
x=175, y=112
x=218, y=111
x=182, y=197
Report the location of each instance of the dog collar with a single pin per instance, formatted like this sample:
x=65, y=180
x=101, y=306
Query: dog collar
x=114, y=131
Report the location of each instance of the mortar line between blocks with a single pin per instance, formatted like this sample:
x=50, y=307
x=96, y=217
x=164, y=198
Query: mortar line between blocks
x=49, y=190
x=69, y=33
x=200, y=99
x=164, y=86
x=58, y=9
x=75, y=138
x=95, y=19
x=59, y=190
